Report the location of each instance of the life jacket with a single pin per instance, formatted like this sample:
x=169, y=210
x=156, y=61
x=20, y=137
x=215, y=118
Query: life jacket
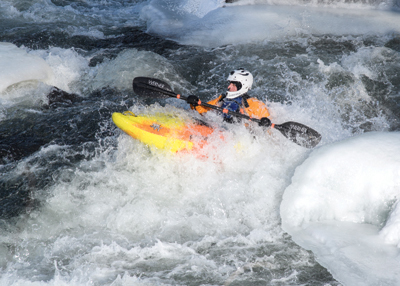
x=233, y=105
x=243, y=104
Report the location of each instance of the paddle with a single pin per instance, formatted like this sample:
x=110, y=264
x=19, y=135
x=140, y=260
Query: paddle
x=296, y=132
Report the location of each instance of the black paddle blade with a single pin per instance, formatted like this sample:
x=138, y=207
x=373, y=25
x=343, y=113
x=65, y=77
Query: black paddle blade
x=299, y=133
x=146, y=86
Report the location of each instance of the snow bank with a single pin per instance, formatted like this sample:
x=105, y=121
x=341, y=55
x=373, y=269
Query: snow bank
x=342, y=205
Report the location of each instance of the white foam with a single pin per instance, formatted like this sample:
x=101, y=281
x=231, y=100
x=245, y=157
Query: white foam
x=68, y=68
x=26, y=76
x=380, y=4
x=129, y=64
x=16, y=66
x=222, y=25
x=129, y=207
x=338, y=201
x=200, y=8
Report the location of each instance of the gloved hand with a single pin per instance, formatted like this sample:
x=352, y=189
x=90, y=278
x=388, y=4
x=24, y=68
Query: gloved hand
x=193, y=100
x=265, y=122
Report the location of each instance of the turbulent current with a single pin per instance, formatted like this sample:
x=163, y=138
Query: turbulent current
x=82, y=203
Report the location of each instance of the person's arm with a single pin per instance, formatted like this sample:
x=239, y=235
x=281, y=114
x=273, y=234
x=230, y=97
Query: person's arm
x=201, y=109
x=257, y=108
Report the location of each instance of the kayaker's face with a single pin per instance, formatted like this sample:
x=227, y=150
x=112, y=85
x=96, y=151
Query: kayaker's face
x=232, y=87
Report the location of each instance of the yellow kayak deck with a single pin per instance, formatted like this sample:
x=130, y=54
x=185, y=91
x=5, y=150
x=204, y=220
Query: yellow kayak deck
x=163, y=131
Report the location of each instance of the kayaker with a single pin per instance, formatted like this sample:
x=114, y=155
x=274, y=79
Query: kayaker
x=236, y=99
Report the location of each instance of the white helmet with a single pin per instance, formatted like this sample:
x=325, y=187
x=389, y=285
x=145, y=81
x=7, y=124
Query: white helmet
x=242, y=76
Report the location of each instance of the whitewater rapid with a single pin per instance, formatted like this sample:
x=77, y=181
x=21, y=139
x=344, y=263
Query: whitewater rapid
x=94, y=206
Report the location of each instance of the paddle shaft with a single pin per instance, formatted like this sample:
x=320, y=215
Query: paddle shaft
x=294, y=131
x=179, y=96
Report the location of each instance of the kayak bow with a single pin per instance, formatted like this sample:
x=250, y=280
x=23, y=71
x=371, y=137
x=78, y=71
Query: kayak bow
x=163, y=131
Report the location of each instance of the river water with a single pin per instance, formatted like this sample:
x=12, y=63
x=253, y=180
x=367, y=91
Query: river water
x=82, y=203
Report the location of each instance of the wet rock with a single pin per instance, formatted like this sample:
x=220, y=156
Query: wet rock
x=58, y=96
x=394, y=44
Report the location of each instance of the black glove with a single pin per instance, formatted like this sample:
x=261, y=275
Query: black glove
x=229, y=119
x=265, y=122
x=193, y=100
